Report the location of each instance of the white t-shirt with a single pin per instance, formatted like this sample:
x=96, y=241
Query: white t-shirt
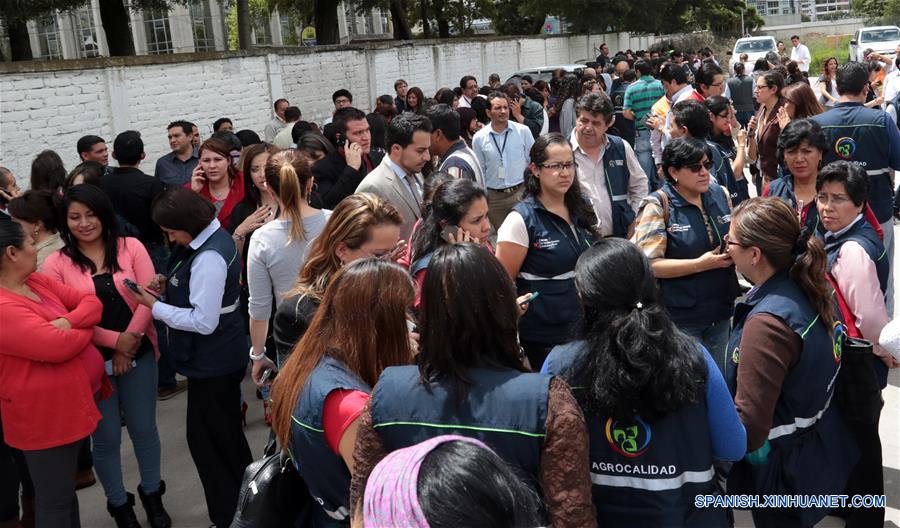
x=513, y=230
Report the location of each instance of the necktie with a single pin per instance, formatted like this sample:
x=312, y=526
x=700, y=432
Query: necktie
x=413, y=188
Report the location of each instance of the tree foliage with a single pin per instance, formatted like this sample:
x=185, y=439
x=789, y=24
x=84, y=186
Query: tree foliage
x=878, y=12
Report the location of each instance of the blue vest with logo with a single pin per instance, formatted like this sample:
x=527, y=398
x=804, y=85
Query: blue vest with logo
x=505, y=409
x=646, y=474
x=811, y=451
x=615, y=170
x=724, y=174
x=783, y=188
x=549, y=268
x=858, y=135
x=225, y=350
x=325, y=473
x=863, y=234
x=708, y=296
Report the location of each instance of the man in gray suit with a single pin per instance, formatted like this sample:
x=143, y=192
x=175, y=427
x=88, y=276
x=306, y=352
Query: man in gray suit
x=398, y=179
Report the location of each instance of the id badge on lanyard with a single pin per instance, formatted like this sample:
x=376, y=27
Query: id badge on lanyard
x=501, y=172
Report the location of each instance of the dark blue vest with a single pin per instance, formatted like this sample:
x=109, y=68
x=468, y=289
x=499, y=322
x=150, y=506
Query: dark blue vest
x=646, y=474
x=724, y=174
x=325, y=472
x=706, y=297
x=549, y=268
x=225, y=350
x=505, y=409
x=615, y=169
x=858, y=135
x=863, y=234
x=811, y=450
x=783, y=188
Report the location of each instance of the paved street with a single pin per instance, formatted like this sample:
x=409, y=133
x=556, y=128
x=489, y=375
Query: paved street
x=187, y=506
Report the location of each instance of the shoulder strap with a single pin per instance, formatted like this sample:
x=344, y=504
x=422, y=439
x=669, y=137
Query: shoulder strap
x=664, y=201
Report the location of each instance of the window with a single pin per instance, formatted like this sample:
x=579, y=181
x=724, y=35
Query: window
x=48, y=38
x=201, y=21
x=350, y=15
x=159, y=37
x=86, y=33
x=288, y=32
x=261, y=29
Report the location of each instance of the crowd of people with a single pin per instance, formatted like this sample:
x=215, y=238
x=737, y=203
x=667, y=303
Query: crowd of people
x=545, y=302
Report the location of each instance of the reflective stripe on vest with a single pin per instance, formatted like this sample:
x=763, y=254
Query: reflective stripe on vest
x=799, y=423
x=341, y=514
x=654, y=484
x=228, y=309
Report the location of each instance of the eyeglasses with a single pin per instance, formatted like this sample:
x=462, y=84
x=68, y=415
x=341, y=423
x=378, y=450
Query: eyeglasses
x=761, y=86
x=835, y=199
x=728, y=241
x=697, y=167
x=559, y=167
x=726, y=115
x=717, y=84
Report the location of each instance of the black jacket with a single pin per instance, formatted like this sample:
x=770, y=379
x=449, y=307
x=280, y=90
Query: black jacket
x=335, y=180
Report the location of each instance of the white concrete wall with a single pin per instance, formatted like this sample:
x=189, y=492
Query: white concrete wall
x=49, y=106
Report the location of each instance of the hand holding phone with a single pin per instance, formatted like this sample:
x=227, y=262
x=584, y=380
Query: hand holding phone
x=131, y=285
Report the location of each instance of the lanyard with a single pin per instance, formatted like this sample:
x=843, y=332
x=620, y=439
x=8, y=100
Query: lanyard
x=496, y=144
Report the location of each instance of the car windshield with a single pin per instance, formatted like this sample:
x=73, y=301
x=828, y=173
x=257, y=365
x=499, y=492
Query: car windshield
x=880, y=35
x=755, y=46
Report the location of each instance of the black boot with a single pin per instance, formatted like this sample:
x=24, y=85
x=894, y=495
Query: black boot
x=124, y=514
x=153, y=505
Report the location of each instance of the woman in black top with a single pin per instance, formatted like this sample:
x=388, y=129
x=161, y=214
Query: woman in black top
x=96, y=260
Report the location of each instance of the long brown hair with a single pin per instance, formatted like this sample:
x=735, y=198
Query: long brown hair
x=289, y=177
x=804, y=100
x=771, y=225
x=350, y=223
x=251, y=193
x=361, y=323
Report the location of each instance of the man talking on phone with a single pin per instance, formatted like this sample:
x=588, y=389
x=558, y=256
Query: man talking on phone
x=339, y=174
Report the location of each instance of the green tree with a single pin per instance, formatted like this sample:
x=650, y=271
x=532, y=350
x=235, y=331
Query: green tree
x=878, y=12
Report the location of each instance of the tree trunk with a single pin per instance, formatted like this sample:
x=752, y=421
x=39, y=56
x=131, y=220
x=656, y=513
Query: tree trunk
x=426, y=27
x=440, y=14
x=19, y=45
x=243, y=23
x=401, y=24
x=116, y=25
x=326, y=22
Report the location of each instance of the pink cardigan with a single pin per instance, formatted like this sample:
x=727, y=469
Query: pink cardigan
x=136, y=265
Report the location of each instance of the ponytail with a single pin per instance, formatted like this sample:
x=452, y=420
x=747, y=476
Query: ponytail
x=771, y=225
x=808, y=270
x=288, y=175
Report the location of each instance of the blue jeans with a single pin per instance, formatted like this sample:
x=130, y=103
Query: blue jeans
x=644, y=154
x=135, y=392
x=713, y=336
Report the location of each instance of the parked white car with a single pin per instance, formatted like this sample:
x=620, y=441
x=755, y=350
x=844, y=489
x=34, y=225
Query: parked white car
x=755, y=48
x=883, y=40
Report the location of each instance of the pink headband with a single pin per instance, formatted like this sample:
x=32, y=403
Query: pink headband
x=391, y=497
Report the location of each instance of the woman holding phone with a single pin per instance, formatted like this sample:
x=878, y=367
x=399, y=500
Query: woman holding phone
x=206, y=337
x=540, y=242
x=96, y=261
x=216, y=179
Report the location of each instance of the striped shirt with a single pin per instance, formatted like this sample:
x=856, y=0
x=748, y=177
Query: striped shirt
x=651, y=231
x=640, y=97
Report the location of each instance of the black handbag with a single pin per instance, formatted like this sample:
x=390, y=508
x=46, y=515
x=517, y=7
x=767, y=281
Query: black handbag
x=858, y=392
x=273, y=494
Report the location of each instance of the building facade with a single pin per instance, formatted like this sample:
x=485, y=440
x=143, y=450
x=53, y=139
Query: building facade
x=197, y=26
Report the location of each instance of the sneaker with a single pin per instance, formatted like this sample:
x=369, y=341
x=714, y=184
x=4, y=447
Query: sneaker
x=170, y=392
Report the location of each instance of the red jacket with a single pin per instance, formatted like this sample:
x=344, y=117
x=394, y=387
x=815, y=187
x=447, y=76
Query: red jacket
x=45, y=394
x=235, y=196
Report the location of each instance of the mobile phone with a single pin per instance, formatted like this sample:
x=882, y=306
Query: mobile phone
x=341, y=141
x=534, y=296
x=411, y=326
x=267, y=375
x=450, y=230
x=131, y=285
